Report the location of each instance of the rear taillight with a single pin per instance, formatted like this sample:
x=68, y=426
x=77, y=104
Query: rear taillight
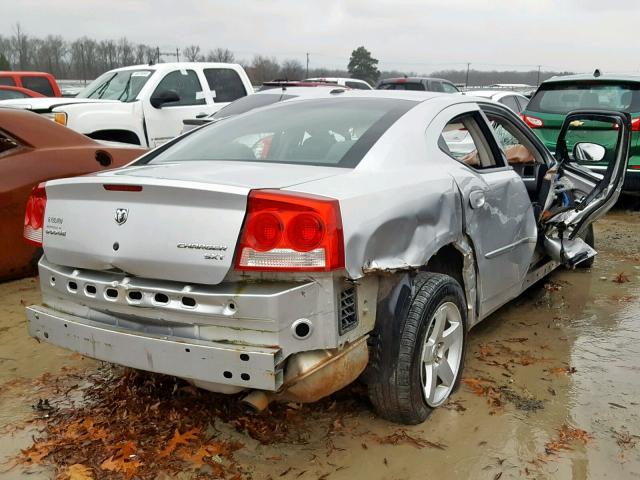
x=34, y=215
x=635, y=125
x=532, y=122
x=290, y=232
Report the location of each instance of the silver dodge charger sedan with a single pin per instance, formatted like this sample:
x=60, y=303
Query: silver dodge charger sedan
x=290, y=250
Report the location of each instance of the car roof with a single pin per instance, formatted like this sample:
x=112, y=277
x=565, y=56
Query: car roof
x=491, y=93
x=317, y=91
x=8, y=73
x=610, y=77
x=174, y=65
x=334, y=79
x=413, y=79
x=413, y=95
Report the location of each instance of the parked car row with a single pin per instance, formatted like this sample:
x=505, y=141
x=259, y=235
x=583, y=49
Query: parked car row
x=250, y=254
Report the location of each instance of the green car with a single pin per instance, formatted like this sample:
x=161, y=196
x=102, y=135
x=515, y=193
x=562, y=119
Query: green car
x=560, y=95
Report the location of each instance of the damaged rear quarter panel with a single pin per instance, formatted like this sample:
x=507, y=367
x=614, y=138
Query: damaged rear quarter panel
x=400, y=205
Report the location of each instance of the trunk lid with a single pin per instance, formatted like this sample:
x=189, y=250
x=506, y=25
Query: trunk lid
x=181, y=224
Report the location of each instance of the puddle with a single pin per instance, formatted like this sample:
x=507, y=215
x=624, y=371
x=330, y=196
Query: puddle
x=552, y=390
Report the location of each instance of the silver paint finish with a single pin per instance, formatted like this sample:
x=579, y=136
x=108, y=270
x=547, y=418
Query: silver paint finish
x=405, y=201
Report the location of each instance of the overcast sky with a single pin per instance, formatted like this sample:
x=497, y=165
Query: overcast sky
x=410, y=35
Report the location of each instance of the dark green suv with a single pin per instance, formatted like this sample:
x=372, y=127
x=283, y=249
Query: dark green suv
x=560, y=95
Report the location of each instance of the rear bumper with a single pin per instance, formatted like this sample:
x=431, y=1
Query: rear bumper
x=229, y=337
x=211, y=362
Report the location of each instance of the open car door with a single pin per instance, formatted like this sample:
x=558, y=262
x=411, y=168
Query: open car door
x=585, y=193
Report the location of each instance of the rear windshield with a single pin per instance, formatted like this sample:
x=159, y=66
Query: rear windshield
x=38, y=84
x=401, y=86
x=328, y=132
x=249, y=103
x=565, y=97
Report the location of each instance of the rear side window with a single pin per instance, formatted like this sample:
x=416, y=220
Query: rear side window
x=564, y=97
x=8, y=81
x=6, y=143
x=225, y=84
x=464, y=140
x=357, y=85
x=186, y=84
x=38, y=84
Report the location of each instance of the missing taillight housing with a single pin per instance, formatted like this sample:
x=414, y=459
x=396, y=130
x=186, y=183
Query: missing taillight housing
x=291, y=232
x=34, y=215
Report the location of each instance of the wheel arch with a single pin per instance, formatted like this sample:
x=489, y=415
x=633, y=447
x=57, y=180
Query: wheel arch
x=116, y=135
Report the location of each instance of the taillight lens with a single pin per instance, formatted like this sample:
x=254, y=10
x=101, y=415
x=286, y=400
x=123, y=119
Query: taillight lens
x=291, y=232
x=635, y=125
x=34, y=215
x=532, y=122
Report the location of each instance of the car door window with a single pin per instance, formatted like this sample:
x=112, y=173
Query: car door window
x=523, y=103
x=186, y=84
x=464, y=140
x=517, y=148
x=510, y=101
x=225, y=84
x=38, y=84
x=8, y=81
x=357, y=85
x=12, y=94
x=436, y=86
x=448, y=88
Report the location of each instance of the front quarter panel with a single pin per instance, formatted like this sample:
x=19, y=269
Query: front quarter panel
x=93, y=117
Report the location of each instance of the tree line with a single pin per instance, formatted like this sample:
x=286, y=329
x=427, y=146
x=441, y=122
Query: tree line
x=86, y=58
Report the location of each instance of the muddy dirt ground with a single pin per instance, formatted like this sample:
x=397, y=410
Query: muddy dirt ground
x=551, y=390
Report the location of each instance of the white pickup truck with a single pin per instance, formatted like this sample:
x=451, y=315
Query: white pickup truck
x=145, y=104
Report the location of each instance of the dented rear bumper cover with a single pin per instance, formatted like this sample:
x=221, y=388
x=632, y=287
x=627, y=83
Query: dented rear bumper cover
x=212, y=362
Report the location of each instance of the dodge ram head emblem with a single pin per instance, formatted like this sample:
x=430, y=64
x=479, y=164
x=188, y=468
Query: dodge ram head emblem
x=121, y=215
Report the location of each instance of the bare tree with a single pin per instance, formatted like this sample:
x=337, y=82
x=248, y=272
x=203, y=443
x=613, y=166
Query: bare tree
x=192, y=53
x=125, y=52
x=223, y=55
x=292, y=70
x=21, y=47
x=263, y=69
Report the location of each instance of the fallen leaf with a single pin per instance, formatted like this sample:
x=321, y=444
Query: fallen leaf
x=179, y=439
x=621, y=278
x=78, y=471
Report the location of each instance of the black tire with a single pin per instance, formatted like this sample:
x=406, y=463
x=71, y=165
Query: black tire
x=589, y=237
x=395, y=386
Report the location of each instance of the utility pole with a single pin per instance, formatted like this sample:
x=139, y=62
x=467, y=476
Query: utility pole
x=177, y=54
x=466, y=82
x=539, y=66
x=158, y=54
x=307, y=75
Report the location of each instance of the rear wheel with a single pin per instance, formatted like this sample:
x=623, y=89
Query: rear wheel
x=426, y=366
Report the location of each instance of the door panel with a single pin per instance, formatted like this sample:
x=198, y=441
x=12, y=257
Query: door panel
x=592, y=193
x=165, y=123
x=499, y=215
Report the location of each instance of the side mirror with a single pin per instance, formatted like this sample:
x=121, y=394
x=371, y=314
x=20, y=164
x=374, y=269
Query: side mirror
x=165, y=96
x=589, y=152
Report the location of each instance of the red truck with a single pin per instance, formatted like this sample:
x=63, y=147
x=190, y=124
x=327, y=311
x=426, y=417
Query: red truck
x=41, y=82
